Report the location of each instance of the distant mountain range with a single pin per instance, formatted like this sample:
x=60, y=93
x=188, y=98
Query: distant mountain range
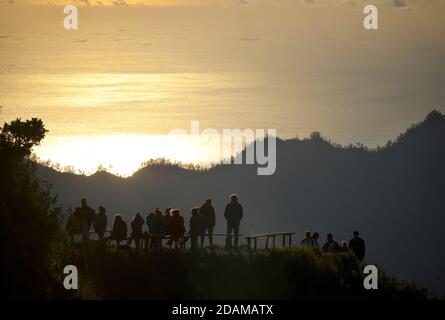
x=395, y=195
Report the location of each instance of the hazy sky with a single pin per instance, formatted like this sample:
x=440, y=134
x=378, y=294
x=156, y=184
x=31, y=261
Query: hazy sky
x=264, y=3
x=146, y=67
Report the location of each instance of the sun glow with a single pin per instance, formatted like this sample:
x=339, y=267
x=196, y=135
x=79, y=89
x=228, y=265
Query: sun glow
x=123, y=154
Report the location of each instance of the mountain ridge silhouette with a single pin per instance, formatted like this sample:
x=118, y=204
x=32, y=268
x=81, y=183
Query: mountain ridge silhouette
x=394, y=195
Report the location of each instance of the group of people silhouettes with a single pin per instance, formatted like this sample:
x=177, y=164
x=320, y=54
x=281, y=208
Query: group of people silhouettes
x=170, y=226
x=356, y=244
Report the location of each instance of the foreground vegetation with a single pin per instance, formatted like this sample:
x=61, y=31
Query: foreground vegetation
x=299, y=273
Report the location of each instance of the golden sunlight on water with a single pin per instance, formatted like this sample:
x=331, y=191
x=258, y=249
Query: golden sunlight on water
x=123, y=154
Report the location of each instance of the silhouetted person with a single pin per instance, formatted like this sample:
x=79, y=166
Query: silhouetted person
x=208, y=212
x=73, y=225
x=167, y=217
x=344, y=247
x=315, y=237
x=120, y=229
x=177, y=228
x=197, y=228
x=86, y=217
x=233, y=214
x=136, y=230
x=357, y=245
x=307, y=240
x=100, y=223
x=157, y=228
x=150, y=217
x=331, y=246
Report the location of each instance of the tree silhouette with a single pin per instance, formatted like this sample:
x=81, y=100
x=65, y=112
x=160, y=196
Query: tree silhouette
x=29, y=221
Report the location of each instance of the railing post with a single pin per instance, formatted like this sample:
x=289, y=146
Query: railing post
x=284, y=240
x=290, y=240
x=267, y=242
x=273, y=239
x=256, y=243
x=248, y=243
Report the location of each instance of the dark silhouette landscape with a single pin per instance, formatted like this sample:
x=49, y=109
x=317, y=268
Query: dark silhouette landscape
x=394, y=195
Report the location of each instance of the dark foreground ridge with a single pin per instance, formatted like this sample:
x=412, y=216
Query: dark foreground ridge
x=300, y=273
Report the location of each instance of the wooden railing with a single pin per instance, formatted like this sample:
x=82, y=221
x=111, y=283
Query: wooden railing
x=268, y=236
x=251, y=239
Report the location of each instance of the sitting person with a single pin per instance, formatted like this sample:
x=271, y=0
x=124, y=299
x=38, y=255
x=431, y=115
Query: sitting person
x=177, y=228
x=198, y=226
x=331, y=246
x=120, y=229
x=136, y=230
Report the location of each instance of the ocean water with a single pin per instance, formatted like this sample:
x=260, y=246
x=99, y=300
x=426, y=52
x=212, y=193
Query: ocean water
x=111, y=92
x=121, y=120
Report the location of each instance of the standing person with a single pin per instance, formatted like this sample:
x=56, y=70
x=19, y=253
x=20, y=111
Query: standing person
x=157, y=230
x=73, y=225
x=197, y=228
x=357, y=245
x=315, y=237
x=86, y=217
x=344, y=247
x=148, y=242
x=331, y=246
x=167, y=217
x=233, y=214
x=307, y=240
x=100, y=223
x=177, y=228
x=120, y=229
x=208, y=212
x=136, y=230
